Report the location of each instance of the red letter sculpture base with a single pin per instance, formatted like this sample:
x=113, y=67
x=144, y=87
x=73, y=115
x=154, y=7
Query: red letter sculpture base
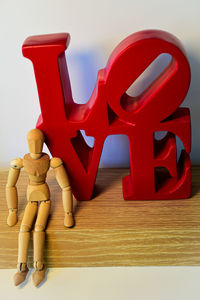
x=111, y=111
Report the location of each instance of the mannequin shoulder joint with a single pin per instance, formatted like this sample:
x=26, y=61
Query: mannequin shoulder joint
x=16, y=163
x=55, y=162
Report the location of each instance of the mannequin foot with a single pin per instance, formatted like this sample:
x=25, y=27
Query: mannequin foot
x=69, y=220
x=38, y=276
x=20, y=276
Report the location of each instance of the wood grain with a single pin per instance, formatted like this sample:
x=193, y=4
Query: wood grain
x=110, y=231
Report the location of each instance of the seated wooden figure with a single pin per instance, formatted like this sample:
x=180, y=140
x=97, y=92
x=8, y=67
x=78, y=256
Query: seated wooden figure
x=36, y=164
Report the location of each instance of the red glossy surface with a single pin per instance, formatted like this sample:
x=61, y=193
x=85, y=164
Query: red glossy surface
x=111, y=111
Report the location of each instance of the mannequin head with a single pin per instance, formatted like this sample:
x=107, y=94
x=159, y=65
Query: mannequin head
x=35, y=139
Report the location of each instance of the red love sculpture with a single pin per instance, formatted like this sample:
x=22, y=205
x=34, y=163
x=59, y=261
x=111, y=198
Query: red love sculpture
x=111, y=111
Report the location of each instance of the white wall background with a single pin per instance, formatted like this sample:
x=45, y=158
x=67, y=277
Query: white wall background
x=96, y=27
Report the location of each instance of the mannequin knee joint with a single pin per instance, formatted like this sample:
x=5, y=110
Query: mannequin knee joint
x=39, y=228
x=25, y=228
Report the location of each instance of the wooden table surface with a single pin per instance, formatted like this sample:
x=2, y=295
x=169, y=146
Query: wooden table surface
x=110, y=231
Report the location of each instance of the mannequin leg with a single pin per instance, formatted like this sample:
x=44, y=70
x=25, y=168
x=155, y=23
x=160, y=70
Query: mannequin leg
x=39, y=240
x=23, y=241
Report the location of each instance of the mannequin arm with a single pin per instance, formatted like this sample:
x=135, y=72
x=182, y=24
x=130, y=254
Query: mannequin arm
x=11, y=190
x=67, y=198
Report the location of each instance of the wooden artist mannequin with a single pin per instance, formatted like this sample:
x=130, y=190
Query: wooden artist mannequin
x=36, y=164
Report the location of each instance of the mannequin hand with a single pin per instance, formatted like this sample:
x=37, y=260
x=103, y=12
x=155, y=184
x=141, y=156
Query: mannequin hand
x=12, y=217
x=69, y=220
